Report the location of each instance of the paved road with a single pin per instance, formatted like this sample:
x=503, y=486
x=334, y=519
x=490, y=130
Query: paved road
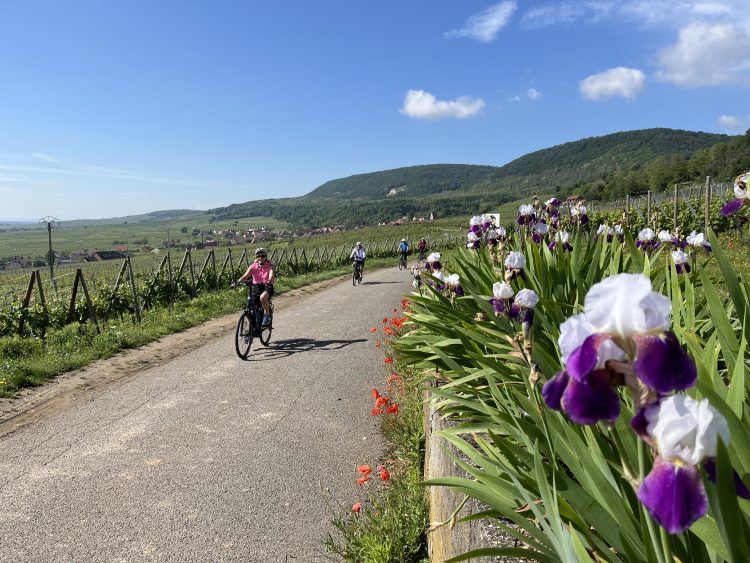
x=208, y=457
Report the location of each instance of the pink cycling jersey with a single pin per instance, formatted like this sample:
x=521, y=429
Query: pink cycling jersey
x=261, y=273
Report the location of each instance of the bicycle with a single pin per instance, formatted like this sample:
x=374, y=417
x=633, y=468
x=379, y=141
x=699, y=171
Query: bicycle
x=357, y=273
x=422, y=256
x=402, y=261
x=250, y=324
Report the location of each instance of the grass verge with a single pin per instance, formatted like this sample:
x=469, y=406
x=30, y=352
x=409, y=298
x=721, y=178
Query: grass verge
x=389, y=525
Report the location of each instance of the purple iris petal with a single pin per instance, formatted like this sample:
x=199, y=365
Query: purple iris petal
x=662, y=364
x=567, y=246
x=687, y=268
x=528, y=317
x=592, y=399
x=639, y=422
x=458, y=290
x=679, y=268
x=674, y=495
x=521, y=220
x=609, y=239
x=475, y=229
x=498, y=305
x=583, y=359
x=733, y=206
x=553, y=390
x=536, y=237
x=584, y=219
x=639, y=243
x=476, y=244
x=436, y=265
x=552, y=245
x=710, y=466
x=514, y=311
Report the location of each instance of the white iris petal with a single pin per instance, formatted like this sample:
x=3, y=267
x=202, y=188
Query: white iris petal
x=686, y=429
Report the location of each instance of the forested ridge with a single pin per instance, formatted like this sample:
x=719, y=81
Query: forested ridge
x=598, y=168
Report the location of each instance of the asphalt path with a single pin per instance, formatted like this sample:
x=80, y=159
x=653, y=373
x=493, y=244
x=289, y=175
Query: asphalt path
x=208, y=457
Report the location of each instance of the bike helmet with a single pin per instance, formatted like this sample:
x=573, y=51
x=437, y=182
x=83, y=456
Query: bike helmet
x=403, y=240
x=261, y=252
x=359, y=243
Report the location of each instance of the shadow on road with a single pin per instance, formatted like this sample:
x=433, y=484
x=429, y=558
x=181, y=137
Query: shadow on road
x=285, y=348
x=379, y=282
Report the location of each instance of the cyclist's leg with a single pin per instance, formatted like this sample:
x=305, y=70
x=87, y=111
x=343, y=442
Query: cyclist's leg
x=264, y=301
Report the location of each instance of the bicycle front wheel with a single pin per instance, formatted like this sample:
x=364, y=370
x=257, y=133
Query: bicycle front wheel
x=243, y=337
x=354, y=276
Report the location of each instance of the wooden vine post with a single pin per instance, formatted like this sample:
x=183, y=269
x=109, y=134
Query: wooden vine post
x=34, y=279
x=131, y=280
x=169, y=279
x=79, y=279
x=707, y=209
x=115, y=287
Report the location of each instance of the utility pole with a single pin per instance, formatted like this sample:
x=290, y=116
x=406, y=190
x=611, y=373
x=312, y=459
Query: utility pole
x=49, y=221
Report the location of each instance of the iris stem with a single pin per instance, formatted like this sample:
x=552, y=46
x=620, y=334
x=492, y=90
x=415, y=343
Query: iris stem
x=665, y=545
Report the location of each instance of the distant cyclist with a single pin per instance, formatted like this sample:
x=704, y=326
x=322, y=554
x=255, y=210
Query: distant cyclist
x=262, y=276
x=403, y=249
x=358, y=255
x=422, y=247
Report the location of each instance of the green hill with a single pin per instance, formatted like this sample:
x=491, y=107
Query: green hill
x=586, y=166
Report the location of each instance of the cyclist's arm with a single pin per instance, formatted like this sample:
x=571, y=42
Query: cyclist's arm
x=246, y=275
x=272, y=277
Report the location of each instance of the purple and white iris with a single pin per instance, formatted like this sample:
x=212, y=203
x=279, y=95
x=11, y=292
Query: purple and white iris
x=540, y=230
x=740, y=195
x=684, y=432
x=698, y=240
x=433, y=262
x=562, y=238
x=645, y=239
x=621, y=338
x=681, y=261
x=453, y=283
x=578, y=214
x=526, y=214
x=475, y=224
x=473, y=241
x=514, y=265
x=605, y=230
x=502, y=294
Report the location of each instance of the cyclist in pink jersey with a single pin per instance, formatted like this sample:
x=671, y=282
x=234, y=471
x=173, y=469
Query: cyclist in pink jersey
x=262, y=276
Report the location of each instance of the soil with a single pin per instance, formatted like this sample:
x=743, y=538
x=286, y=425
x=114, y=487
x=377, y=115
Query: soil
x=74, y=387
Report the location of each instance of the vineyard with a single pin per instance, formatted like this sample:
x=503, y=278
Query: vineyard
x=31, y=303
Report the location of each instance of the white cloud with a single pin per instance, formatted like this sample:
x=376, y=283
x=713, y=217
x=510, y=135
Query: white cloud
x=730, y=122
x=423, y=105
x=515, y=99
x=566, y=13
x=484, y=26
x=534, y=94
x=620, y=81
x=707, y=55
x=672, y=14
x=44, y=157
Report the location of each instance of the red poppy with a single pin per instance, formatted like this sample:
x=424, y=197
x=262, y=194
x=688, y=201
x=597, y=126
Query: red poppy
x=388, y=360
x=393, y=409
x=381, y=401
x=375, y=393
x=388, y=331
x=385, y=320
x=362, y=480
x=376, y=411
x=373, y=329
x=384, y=475
x=357, y=507
x=364, y=469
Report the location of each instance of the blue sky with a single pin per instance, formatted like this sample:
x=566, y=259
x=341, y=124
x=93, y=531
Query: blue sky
x=109, y=108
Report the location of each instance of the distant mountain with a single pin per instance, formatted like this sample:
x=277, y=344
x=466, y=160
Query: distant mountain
x=626, y=159
x=151, y=217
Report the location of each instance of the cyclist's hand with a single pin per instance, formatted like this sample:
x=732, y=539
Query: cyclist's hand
x=268, y=286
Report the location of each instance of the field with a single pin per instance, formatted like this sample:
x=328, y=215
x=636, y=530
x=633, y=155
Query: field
x=33, y=240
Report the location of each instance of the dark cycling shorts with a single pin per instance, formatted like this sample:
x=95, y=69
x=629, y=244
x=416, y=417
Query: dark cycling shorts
x=259, y=288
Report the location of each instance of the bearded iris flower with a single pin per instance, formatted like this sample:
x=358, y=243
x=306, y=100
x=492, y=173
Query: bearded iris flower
x=621, y=337
x=563, y=238
x=526, y=214
x=740, y=193
x=681, y=261
x=579, y=214
x=502, y=293
x=698, y=240
x=514, y=265
x=645, y=240
x=684, y=432
x=452, y=282
x=540, y=230
x=473, y=241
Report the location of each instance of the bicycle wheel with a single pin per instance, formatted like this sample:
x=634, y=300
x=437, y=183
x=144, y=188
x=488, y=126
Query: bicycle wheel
x=243, y=337
x=265, y=331
x=354, y=276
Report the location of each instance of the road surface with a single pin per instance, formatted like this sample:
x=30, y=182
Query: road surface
x=208, y=457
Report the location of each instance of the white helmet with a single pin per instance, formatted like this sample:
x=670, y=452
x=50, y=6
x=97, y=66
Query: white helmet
x=403, y=240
